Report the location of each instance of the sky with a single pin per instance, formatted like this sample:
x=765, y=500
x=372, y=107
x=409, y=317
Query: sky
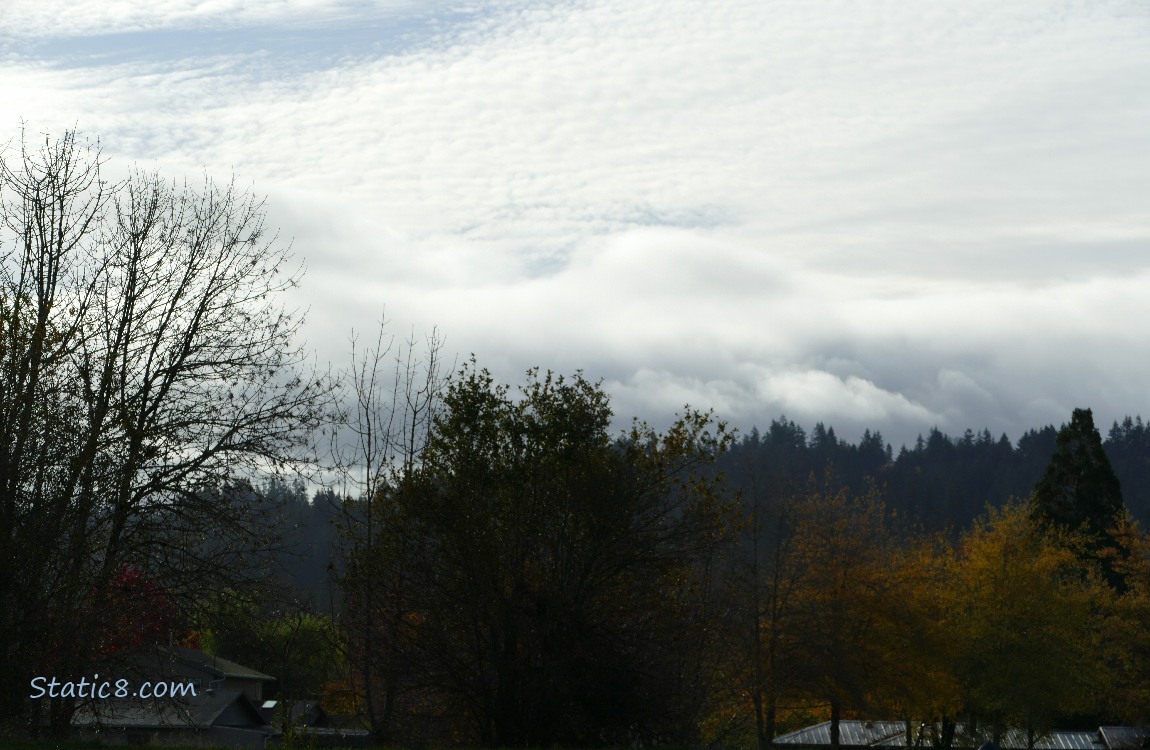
x=891, y=215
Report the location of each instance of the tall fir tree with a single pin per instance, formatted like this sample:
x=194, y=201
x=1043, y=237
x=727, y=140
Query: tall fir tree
x=1079, y=488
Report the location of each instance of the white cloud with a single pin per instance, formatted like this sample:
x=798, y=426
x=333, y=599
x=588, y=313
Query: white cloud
x=58, y=18
x=811, y=393
x=893, y=212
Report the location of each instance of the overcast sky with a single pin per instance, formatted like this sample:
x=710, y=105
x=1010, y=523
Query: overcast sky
x=890, y=214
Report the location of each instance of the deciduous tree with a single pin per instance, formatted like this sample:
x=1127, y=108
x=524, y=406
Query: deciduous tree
x=557, y=591
x=1026, y=623
x=393, y=394
x=146, y=361
x=844, y=596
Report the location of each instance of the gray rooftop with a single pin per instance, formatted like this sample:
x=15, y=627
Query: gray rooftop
x=205, y=710
x=856, y=733
x=218, y=666
x=1126, y=738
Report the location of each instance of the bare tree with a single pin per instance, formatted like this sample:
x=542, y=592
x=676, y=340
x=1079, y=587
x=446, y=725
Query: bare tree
x=148, y=366
x=392, y=400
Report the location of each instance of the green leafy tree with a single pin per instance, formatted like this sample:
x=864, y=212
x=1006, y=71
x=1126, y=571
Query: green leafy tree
x=301, y=649
x=556, y=587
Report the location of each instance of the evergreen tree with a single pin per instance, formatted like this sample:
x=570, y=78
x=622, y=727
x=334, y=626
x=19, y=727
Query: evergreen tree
x=1079, y=488
x=1128, y=447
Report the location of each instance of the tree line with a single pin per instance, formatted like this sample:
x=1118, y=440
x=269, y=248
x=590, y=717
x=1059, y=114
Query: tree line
x=504, y=569
x=1025, y=619
x=940, y=481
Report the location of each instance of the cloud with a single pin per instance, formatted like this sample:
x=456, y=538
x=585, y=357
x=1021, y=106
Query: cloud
x=913, y=215
x=70, y=18
x=854, y=136
x=811, y=393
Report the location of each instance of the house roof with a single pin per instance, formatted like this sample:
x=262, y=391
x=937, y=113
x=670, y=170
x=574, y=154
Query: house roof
x=205, y=710
x=857, y=733
x=851, y=733
x=191, y=663
x=1125, y=738
x=216, y=665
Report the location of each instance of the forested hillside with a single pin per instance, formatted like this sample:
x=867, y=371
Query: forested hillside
x=940, y=482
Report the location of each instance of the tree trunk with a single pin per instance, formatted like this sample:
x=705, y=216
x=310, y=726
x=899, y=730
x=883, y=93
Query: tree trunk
x=836, y=711
x=947, y=733
x=772, y=708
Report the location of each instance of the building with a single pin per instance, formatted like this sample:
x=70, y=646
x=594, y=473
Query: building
x=219, y=706
x=895, y=734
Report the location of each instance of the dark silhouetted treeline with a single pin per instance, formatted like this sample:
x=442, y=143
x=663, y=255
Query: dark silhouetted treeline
x=941, y=481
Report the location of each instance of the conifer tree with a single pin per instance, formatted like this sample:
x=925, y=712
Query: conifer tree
x=1079, y=488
